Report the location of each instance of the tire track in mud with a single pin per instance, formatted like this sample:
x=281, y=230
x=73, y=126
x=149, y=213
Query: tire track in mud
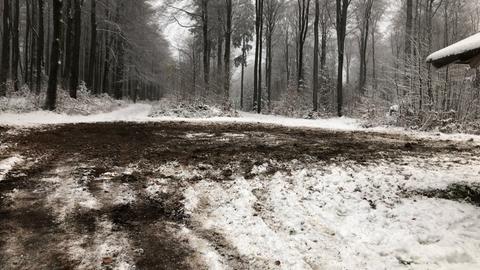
x=54, y=217
x=30, y=233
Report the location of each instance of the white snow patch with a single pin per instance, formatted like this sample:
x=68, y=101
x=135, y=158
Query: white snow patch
x=7, y=165
x=207, y=253
x=140, y=112
x=133, y=113
x=470, y=43
x=345, y=216
x=106, y=243
x=68, y=196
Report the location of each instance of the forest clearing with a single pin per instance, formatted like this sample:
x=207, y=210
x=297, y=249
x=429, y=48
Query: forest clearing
x=240, y=134
x=213, y=194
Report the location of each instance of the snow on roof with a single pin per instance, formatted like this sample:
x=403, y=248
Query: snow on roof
x=466, y=45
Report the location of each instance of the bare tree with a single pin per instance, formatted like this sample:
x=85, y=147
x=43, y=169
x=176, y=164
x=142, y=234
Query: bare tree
x=315, y=55
x=55, y=56
x=342, y=12
x=303, y=17
x=5, y=66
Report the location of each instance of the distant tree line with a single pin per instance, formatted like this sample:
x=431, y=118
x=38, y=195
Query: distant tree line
x=342, y=56
x=113, y=46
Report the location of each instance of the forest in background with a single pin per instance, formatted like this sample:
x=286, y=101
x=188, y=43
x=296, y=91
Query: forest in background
x=304, y=58
x=108, y=46
x=360, y=58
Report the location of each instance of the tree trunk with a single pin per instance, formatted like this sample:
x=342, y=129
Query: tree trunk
x=119, y=69
x=342, y=12
x=55, y=56
x=5, y=66
x=206, y=46
x=260, y=54
x=303, y=17
x=315, y=56
x=26, y=47
x=93, y=45
x=287, y=58
x=33, y=45
x=244, y=56
x=68, y=50
x=364, y=34
x=40, y=46
x=257, y=76
x=16, y=44
x=74, y=78
x=228, y=40
x=257, y=46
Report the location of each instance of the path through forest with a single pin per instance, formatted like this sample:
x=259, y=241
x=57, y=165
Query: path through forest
x=173, y=195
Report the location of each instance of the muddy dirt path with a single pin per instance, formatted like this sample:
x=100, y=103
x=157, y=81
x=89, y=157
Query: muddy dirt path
x=110, y=196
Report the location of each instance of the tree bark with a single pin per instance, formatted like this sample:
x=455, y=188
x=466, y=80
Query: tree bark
x=40, y=46
x=55, y=55
x=26, y=47
x=206, y=46
x=342, y=12
x=228, y=40
x=68, y=49
x=303, y=17
x=5, y=66
x=260, y=55
x=93, y=45
x=16, y=44
x=315, y=56
x=364, y=35
x=74, y=78
x=242, y=79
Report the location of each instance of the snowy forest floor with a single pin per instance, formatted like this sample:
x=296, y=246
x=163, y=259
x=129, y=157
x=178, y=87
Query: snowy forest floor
x=89, y=192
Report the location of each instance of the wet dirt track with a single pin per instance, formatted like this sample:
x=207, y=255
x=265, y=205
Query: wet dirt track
x=43, y=226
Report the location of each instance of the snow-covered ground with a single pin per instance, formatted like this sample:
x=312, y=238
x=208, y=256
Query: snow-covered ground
x=335, y=214
x=141, y=112
x=7, y=164
x=342, y=216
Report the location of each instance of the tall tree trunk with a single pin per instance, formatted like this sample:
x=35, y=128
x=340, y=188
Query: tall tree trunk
x=93, y=45
x=315, y=56
x=228, y=40
x=242, y=79
x=287, y=58
x=268, y=68
x=303, y=17
x=260, y=54
x=220, y=56
x=68, y=48
x=257, y=77
x=5, y=66
x=55, y=55
x=26, y=47
x=255, y=66
x=120, y=67
x=40, y=46
x=33, y=45
x=48, y=41
x=364, y=35
x=206, y=46
x=323, y=55
x=74, y=78
x=374, y=61
x=16, y=44
x=342, y=12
